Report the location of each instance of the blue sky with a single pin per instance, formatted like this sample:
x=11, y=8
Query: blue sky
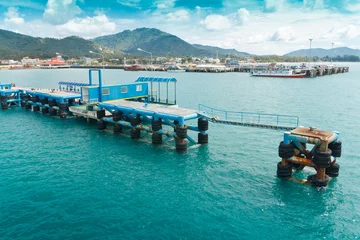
x=255, y=26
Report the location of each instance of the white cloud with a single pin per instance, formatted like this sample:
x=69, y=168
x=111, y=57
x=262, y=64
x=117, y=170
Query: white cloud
x=12, y=16
x=198, y=10
x=179, y=15
x=216, y=22
x=342, y=32
x=258, y=38
x=60, y=11
x=354, y=7
x=351, y=31
x=243, y=16
x=313, y=4
x=21, y=3
x=273, y=5
x=88, y=27
x=164, y=4
x=286, y=34
x=130, y=3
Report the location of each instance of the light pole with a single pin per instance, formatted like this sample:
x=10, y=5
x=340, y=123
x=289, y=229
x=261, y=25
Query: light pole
x=310, y=39
x=332, y=52
x=101, y=56
x=139, y=49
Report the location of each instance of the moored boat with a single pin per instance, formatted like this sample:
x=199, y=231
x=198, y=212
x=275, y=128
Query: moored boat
x=175, y=69
x=133, y=68
x=288, y=73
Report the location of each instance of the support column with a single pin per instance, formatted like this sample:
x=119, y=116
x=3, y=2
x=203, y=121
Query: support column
x=135, y=132
x=181, y=134
x=156, y=125
x=203, y=126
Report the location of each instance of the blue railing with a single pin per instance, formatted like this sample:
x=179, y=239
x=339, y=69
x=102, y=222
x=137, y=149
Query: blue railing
x=249, y=118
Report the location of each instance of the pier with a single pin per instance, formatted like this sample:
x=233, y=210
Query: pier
x=147, y=109
x=311, y=72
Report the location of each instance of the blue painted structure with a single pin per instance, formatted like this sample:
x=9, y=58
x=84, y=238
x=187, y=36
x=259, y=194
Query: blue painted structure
x=4, y=86
x=9, y=95
x=72, y=86
x=92, y=94
x=159, y=80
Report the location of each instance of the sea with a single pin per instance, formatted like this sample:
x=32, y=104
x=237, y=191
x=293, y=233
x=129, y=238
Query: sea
x=64, y=179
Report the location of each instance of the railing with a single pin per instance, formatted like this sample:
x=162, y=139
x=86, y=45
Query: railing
x=263, y=120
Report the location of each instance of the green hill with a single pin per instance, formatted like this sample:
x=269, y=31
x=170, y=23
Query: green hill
x=16, y=46
x=221, y=51
x=152, y=40
x=320, y=52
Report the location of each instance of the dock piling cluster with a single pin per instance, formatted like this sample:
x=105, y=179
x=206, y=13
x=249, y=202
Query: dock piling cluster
x=322, y=157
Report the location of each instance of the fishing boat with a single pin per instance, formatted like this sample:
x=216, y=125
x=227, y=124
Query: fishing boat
x=288, y=73
x=133, y=68
x=175, y=69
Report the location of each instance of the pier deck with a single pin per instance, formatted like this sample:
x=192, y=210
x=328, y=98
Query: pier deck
x=152, y=108
x=53, y=94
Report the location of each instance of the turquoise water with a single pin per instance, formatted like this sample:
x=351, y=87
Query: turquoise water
x=62, y=179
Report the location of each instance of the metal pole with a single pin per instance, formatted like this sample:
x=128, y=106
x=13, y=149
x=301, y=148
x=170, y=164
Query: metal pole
x=310, y=50
x=103, y=61
x=151, y=60
x=332, y=52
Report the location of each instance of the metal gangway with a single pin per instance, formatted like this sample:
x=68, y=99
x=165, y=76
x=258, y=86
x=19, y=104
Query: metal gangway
x=249, y=119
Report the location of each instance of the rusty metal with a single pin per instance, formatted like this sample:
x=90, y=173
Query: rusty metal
x=320, y=174
x=301, y=161
x=323, y=135
x=303, y=157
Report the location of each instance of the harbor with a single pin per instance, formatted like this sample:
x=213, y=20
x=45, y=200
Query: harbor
x=71, y=159
x=148, y=108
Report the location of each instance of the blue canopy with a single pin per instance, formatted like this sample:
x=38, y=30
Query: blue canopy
x=155, y=79
x=74, y=84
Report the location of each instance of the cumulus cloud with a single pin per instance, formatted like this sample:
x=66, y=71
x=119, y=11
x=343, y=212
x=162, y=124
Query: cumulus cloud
x=258, y=38
x=351, y=31
x=179, y=15
x=273, y=5
x=216, y=22
x=12, y=16
x=345, y=32
x=60, y=11
x=243, y=16
x=164, y=4
x=87, y=27
x=285, y=34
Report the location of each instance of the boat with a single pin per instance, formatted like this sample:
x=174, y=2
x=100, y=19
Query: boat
x=133, y=68
x=288, y=73
x=175, y=69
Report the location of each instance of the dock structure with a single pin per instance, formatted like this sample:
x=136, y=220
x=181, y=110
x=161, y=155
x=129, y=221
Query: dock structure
x=296, y=155
x=148, y=106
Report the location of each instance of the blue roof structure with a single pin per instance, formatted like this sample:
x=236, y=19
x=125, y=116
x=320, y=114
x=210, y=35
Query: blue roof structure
x=75, y=84
x=155, y=79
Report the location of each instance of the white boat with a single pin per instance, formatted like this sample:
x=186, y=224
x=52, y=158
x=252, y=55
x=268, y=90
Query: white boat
x=175, y=69
x=288, y=73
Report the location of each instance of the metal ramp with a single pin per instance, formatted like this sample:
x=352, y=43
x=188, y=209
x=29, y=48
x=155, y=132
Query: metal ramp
x=249, y=119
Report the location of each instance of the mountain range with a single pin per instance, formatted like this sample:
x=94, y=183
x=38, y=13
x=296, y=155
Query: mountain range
x=159, y=43
x=15, y=46
x=321, y=53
